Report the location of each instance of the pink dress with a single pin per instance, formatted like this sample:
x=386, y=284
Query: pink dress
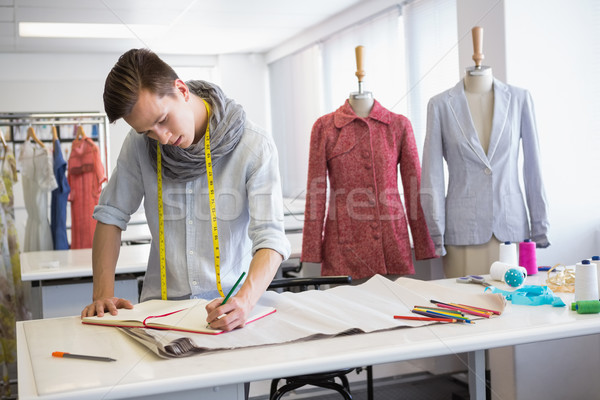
x=85, y=176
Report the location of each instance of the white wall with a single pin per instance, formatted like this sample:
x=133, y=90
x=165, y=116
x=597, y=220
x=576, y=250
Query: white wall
x=244, y=77
x=545, y=47
x=551, y=47
x=489, y=14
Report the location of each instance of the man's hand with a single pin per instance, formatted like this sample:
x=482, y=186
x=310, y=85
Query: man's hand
x=228, y=316
x=235, y=312
x=110, y=304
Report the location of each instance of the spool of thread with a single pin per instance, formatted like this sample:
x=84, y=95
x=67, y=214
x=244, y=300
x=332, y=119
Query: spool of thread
x=514, y=277
x=498, y=270
x=596, y=260
x=586, y=307
x=527, y=258
x=508, y=253
x=586, y=281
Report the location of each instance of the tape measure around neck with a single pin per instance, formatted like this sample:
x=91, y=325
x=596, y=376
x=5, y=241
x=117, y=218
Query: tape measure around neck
x=161, y=226
x=213, y=212
x=211, y=199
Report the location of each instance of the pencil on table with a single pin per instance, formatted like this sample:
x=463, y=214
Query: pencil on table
x=424, y=318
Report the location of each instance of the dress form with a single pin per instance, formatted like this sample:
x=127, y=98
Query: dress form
x=354, y=244
x=479, y=91
x=361, y=102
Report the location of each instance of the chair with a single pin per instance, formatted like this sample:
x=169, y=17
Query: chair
x=324, y=379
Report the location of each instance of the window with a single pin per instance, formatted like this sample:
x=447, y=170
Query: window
x=410, y=54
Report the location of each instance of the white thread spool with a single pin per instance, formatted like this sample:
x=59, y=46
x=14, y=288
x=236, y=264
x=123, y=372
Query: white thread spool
x=586, y=281
x=596, y=260
x=508, y=253
x=498, y=270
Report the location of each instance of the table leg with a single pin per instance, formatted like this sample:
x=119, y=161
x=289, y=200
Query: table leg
x=477, y=374
x=36, y=303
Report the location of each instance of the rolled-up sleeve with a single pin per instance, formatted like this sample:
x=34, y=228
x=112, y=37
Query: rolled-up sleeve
x=266, y=228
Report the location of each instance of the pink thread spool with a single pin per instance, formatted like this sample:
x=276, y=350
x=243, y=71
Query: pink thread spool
x=527, y=257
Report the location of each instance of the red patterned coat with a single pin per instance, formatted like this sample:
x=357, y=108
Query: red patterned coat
x=365, y=231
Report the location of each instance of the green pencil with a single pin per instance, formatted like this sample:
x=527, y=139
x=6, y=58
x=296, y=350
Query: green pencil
x=233, y=288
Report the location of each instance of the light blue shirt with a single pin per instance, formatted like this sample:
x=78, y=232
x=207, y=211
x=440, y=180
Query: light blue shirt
x=249, y=214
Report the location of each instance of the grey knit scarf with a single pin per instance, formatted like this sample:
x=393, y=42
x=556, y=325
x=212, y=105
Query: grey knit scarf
x=227, y=119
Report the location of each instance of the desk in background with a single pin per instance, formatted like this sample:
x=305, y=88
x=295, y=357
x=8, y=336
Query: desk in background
x=62, y=279
x=219, y=375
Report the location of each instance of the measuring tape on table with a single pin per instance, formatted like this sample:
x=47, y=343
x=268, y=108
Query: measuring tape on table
x=213, y=212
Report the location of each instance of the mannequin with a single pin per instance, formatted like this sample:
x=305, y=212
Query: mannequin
x=484, y=203
x=361, y=102
x=361, y=228
x=479, y=91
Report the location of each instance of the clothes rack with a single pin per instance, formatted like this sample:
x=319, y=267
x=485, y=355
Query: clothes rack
x=15, y=121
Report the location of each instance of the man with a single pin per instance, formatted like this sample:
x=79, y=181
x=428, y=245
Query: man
x=146, y=92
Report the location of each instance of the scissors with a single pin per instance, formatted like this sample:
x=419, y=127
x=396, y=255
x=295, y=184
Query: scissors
x=473, y=279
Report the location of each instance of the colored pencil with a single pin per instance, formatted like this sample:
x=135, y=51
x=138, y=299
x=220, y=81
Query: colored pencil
x=444, y=312
x=479, y=308
x=424, y=318
x=440, y=309
x=233, y=288
x=425, y=314
x=467, y=320
x=466, y=310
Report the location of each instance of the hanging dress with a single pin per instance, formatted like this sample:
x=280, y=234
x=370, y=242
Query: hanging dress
x=60, y=195
x=38, y=180
x=13, y=291
x=85, y=177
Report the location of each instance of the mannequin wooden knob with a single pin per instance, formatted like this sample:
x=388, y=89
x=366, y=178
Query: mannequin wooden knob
x=360, y=73
x=477, y=45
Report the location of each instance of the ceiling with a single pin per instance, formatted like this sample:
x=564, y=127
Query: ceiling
x=204, y=27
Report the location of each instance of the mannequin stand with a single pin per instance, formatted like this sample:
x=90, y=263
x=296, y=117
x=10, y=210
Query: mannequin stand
x=470, y=260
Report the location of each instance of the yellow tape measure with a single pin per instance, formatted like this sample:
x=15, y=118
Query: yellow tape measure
x=213, y=212
x=161, y=226
x=211, y=199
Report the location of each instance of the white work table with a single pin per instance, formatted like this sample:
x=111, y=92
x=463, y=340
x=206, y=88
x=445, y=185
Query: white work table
x=61, y=279
x=77, y=263
x=137, y=373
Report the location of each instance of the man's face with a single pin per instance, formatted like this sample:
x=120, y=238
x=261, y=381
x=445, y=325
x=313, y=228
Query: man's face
x=168, y=119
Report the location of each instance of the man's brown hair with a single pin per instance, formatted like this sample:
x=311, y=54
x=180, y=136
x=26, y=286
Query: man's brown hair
x=135, y=70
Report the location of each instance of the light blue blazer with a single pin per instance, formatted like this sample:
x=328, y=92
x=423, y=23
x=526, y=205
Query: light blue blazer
x=484, y=196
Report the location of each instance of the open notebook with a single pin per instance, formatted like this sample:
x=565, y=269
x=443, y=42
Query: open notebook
x=176, y=315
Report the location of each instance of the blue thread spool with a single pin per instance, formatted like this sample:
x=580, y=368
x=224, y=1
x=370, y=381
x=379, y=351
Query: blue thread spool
x=514, y=278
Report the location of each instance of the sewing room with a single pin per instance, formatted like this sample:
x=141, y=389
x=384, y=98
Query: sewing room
x=273, y=199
